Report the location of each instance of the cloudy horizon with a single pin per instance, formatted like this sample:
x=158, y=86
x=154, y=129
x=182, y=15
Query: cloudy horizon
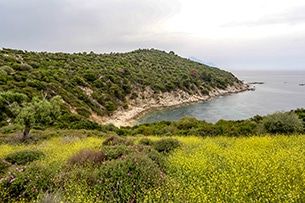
x=234, y=35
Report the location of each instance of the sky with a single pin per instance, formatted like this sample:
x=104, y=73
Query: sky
x=233, y=35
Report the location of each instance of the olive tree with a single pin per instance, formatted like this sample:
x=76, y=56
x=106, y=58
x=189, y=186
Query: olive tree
x=37, y=111
x=17, y=107
x=8, y=100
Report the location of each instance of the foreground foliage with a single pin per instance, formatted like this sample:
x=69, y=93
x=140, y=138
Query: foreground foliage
x=82, y=169
x=110, y=168
x=222, y=169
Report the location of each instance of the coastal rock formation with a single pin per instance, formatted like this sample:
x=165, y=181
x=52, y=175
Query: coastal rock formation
x=149, y=101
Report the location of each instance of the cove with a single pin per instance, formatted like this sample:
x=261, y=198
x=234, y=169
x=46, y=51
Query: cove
x=276, y=91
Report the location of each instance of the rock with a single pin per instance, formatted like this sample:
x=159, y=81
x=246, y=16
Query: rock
x=152, y=101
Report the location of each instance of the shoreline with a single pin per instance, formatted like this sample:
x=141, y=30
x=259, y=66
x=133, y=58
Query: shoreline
x=172, y=100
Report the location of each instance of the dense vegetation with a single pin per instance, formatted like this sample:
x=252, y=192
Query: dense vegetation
x=101, y=83
x=224, y=169
x=192, y=161
x=89, y=166
x=75, y=168
x=260, y=159
x=276, y=123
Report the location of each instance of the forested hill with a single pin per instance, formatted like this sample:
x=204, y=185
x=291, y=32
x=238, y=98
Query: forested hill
x=103, y=83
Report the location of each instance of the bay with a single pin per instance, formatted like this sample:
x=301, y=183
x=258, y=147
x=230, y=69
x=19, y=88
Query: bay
x=281, y=91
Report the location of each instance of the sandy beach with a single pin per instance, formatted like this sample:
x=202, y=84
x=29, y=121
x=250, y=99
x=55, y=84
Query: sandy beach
x=153, y=102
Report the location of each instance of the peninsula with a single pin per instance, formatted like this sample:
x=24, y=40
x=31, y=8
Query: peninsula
x=112, y=88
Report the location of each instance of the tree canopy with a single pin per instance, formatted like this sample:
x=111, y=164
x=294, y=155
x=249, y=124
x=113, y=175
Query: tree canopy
x=35, y=112
x=103, y=83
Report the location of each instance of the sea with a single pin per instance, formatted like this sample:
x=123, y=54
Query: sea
x=276, y=91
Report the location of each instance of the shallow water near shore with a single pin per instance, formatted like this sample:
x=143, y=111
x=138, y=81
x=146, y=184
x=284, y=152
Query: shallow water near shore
x=280, y=91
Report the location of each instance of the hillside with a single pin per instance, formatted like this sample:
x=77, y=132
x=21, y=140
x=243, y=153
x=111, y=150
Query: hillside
x=113, y=87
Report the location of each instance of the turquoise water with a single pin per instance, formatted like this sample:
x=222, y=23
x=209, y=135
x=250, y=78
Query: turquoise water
x=280, y=92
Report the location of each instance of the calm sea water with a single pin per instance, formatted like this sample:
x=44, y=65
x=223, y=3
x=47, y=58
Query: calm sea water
x=280, y=92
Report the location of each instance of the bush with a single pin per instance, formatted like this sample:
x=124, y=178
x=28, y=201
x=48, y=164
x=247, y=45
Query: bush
x=282, y=122
x=87, y=156
x=143, y=130
x=166, y=145
x=117, y=151
x=110, y=107
x=127, y=179
x=25, y=67
x=187, y=122
x=24, y=157
x=23, y=184
x=109, y=127
x=146, y=141
x=128, y=173
x=8, y=70
x=3, y=72
x=3, y=166
x=158, y=158
x=113, y=140
x=83, y=112
x=11, y=128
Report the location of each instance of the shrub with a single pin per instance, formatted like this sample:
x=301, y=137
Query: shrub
x=110, y=107
x=8, y=70
x=146, y=141
x=166, y=145
x=87, y=156
x=3, y=72
x=114, y=139
x=25, y=67
x=282, y=122
x=187, y=122
x=109, y=127
x=127, y=179
x=3, y=166
x=90, y=75
x=23, y=157
x=143, y=130
x=158, y=158
x=83, y=112
x=117, y=151
x=23, y=184
x=11, y=128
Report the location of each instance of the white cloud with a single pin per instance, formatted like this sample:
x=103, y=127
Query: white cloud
x=233, y=34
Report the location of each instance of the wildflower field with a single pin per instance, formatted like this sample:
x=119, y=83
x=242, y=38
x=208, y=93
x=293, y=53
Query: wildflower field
x=222, y=169
x=210, y=169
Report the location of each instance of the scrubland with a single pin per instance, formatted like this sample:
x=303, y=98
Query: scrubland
x=110, y=168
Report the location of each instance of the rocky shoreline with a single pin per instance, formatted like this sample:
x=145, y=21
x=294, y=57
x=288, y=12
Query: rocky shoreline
x=147, y=101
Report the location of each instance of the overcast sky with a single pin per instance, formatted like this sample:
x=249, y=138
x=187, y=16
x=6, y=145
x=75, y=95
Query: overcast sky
x=235, y=34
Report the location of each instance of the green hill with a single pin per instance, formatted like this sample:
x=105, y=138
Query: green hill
x=102, y=84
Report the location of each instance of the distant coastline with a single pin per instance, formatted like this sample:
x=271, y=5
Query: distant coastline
x=256, y=83
x=153, y=102
x=280, y=92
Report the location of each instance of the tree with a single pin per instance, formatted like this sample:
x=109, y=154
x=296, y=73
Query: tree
x=282, y=122
x=37, y=111
x=187, y=122
x=110, y=107
x=9, y=99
